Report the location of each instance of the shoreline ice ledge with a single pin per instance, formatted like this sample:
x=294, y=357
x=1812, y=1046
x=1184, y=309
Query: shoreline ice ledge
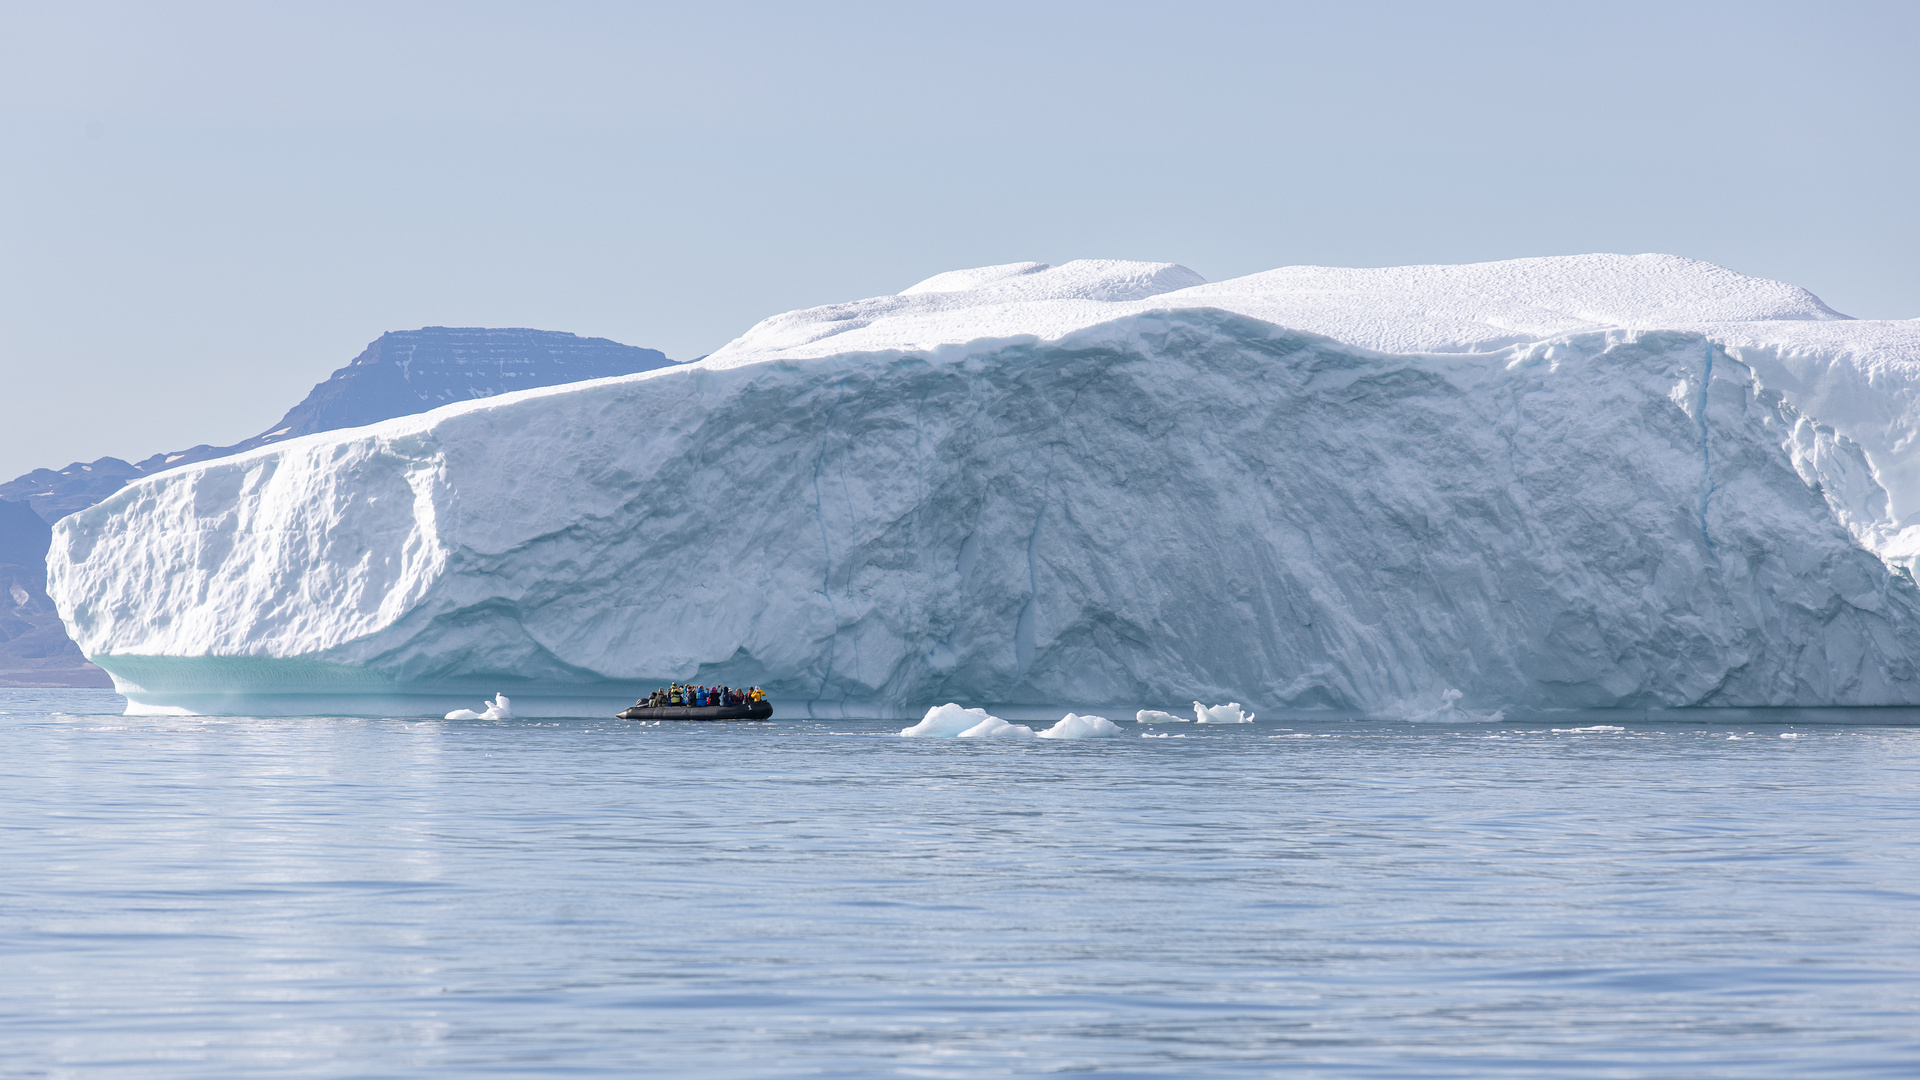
x=1592, y=481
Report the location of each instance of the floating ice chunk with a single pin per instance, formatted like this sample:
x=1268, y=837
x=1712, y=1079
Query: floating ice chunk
x=500, y=708
x=141, y=708
x=1230, y=713
x=946, y=722
x=1155, y=716
x=1791, y=735
x=1073, y=726
x=995, y=728
x=1584, y=730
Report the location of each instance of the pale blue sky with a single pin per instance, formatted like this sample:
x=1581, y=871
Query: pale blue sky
x=206, y=208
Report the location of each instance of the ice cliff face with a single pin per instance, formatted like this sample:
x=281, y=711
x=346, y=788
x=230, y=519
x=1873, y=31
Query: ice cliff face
x=1591, y=481
x=400, y=373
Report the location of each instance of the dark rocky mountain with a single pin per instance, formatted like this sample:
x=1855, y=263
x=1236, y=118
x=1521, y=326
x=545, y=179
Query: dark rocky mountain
x=54, y=495
x=23, y=537
x=402, y=372
x=34, y=648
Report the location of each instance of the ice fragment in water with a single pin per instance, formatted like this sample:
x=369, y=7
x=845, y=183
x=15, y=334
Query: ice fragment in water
x=950, y=721
x=1230, y=713
x=1074, y=726
x=946, y=722
x=500, y=708
x=995, y=728
x=1155, y=716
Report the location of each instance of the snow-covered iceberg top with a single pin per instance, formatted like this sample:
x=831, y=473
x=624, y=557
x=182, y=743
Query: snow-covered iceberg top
x=1018, y=300
x=1470, y=308
x=1859, y=377
x=1595, y=480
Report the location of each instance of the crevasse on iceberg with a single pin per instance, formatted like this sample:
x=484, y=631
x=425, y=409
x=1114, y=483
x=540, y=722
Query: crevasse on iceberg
x=1592, y=481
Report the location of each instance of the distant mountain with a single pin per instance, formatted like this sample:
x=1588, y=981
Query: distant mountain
x=23, y=538
x=34, y=648
x=402, y=372
x=53, y=495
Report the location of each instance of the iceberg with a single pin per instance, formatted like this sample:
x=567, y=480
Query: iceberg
x=1590, y=481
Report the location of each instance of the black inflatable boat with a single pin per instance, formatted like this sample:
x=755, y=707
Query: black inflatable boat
x=759, y=710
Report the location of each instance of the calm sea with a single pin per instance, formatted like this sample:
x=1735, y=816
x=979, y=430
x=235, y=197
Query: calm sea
x=228, y=897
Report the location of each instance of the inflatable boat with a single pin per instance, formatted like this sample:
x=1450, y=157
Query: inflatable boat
x=758, y=710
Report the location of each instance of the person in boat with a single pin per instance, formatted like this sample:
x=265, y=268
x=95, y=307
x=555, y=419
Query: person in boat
x=685, y=694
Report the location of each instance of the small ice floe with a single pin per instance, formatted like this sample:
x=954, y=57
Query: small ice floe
x=497, y=709
x=1074, y=726
x=1585, y=730
x=995, y=728
x=950, y=721
x=1230, y=713
x=946, y=722
x=1162, y=735
x=1790, y=735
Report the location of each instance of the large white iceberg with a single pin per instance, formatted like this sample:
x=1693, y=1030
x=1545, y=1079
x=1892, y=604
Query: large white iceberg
x=1589, y=481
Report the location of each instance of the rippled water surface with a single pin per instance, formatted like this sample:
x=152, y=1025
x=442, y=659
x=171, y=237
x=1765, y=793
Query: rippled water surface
x=214, y=897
